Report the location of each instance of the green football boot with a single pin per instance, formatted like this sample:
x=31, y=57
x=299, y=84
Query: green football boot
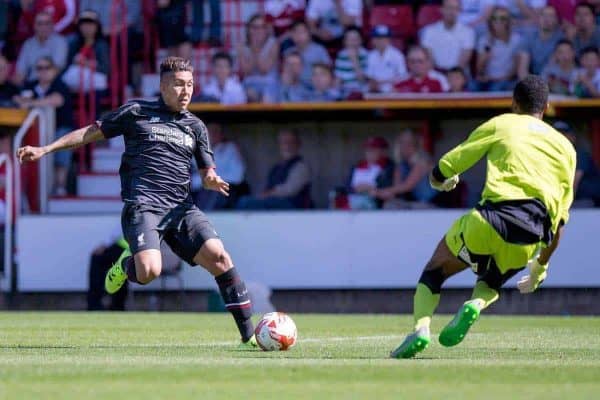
x=414, y=343
x=250, y=344
x=457, y=329
x=116, y=276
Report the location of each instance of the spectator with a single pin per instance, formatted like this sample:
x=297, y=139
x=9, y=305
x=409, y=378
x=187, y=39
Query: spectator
x=89, y=58
x=311, y=52
x=44, y=43
x=385, y=63
x=475, y=13
x=281, y=14
x=351, y=63
x=292, y=88
x=258, y=59
x=587, y=79
x=224, y=87
x=7, y=89
x=457, y=80
x=586, y=33
x=323, y=84
x=63, y=13
x=497, y=54
x=104, y=9
x=373, y=173
x=231, y=168
x=50, y=91
x=327, y=19
x=537, y=47
x=524, y=12
x=288, y=182
x=420, y=79
x=587, y=174
x=214, y=30
x=449, y=41
x=411, y=187
x=171, y=21
x=561, y=72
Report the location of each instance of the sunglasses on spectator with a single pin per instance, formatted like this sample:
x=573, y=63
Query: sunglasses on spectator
x=501, y=18
x=44, y=67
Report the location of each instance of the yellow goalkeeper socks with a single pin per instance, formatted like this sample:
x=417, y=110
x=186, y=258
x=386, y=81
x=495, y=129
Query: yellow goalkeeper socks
x=424, y=304
x=483, y=295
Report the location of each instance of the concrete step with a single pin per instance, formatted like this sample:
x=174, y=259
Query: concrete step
x=98, y=184
x=84, y=205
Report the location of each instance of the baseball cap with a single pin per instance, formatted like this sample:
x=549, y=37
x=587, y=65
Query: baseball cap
x=376, y=142
x=381, y=31
x=88, y=16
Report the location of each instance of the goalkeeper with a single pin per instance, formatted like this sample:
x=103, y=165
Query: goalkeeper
x=517, y=223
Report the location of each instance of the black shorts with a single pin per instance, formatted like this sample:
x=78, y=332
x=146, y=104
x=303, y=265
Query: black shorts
x=184, y=228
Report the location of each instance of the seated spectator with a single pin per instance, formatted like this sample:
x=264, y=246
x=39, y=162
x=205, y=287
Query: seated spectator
x=497, y=54
x=327, y=19
x=170, y=19
x=385, y=63
x=44, y=43
x=88, y=58
x=288, y=181
x=561, y=72
x=291, y=87
x=311, y=52
x=50, y=91
x=420, y=79
x=587, y=79
x=323, y=84
x=475, y=13
x=411, y=187
x=586, y=32
x=214, y=30
x=587, y=174
x=537, y=47
x=224, y=87
x=258, y=58
x=231, y=168
x=457, y=80
x=351, y=63
x=449, y=41
x=281, y=14
x=7, y=89
x=374, y=172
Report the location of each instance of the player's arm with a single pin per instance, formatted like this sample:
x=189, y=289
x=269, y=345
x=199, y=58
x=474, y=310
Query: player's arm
x=76, y=138
x=212, y=181
x=206, y=162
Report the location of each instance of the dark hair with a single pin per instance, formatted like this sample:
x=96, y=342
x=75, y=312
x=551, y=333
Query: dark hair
x=531, y=95
x=292, y=53
x=354, y=28
x=324, y=66
x=48, y=59
x=564, y=41
x=457, y=69
x=297, y=23
x=587, y=5
x=589, y=49
x=221, y=55
x=175, y=64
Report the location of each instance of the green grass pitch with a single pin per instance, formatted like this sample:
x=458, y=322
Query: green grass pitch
x=171, y=356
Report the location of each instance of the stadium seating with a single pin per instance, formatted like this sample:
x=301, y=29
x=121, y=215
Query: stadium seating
x=400, y=19
x=428, y=14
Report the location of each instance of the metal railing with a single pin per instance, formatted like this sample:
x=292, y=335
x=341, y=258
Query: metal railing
x=8, y=220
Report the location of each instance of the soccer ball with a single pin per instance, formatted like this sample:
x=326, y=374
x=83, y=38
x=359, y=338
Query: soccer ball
x=276, y=331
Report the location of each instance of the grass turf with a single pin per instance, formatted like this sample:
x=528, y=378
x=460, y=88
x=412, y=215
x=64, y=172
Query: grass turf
x=170, y=356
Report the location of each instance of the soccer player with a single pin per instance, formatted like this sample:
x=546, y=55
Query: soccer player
x=517, y=223
x=161, y=137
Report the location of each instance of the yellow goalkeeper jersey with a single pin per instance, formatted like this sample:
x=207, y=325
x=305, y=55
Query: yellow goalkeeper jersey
x=526, y=159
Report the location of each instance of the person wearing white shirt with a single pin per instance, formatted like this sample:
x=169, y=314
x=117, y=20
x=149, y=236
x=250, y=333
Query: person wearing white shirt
x=450, y=42
x=224, y=86
x=327, y=19
x=385, y=63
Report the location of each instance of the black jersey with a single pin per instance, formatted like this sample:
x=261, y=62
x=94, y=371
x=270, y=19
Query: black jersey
x=159, y=146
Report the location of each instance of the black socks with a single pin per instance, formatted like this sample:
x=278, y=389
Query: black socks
x=235, y=295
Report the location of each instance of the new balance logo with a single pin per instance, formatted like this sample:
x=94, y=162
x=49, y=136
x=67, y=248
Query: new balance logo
x=140, y=239
x=154, y=120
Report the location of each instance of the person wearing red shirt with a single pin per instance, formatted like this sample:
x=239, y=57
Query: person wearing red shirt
x=281, y=14
x=420, y=79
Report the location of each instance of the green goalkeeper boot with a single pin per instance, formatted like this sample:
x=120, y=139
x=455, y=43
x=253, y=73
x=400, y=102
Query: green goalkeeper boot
x=457, y=329
x=116, y=276
x=250, y=344
x=414, y=343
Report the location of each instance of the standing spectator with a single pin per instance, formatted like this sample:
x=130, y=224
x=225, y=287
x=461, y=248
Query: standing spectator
x=282, y=14
x=323, y=84
x=311, y=52
x=385, y=63
x=537, y=47
x=171, y=22
x=497, y=53
x=410, y=188
x=231, y=168
x=224, y=87
x=327, y=19
x=50, y=91
x=63, y=13
x=351, y=63
x=88, y=58
x=587, y=80
x=44, y=43
x=288, y=181
x=214, y=30
x=586, y=33
x=457, y=80
x=291, y=87
x=450, y=42
x=7, y=89
x=420, y=79
x=258, y=59
x=561, y=72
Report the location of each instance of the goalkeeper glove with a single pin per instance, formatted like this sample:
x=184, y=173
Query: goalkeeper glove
x=537, y=274
x=446, y=186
